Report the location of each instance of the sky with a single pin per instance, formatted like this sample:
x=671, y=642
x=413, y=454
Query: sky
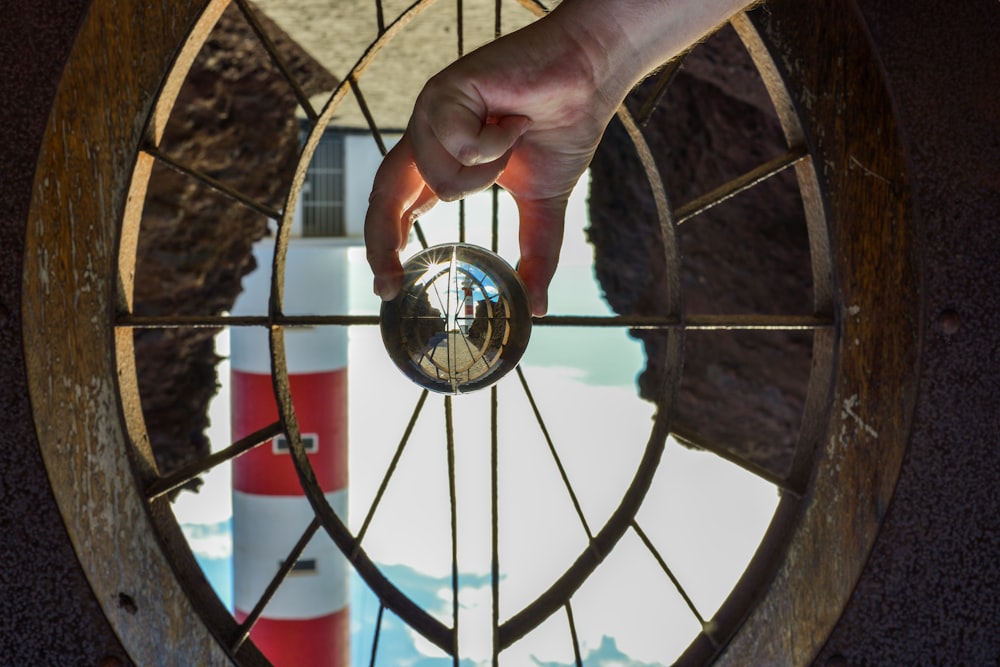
x=705, y=516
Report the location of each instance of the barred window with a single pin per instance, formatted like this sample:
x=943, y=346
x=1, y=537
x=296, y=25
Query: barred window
x=323, y=192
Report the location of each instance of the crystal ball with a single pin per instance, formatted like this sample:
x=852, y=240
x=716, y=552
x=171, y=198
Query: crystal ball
x=461, y=320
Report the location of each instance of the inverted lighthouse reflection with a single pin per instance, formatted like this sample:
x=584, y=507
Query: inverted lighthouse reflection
x=307, y=620
x=461, y=320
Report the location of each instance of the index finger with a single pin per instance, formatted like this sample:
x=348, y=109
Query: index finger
x=398, y=195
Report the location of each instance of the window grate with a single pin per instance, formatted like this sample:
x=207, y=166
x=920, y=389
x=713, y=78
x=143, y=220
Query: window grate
x=323, y=191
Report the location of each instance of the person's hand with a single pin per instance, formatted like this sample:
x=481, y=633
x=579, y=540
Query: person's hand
x=527, y=112
x=521, y=112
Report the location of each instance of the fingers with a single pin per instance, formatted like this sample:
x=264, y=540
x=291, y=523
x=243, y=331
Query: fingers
x=458, y=153
x=399, y=194
x=541, y=234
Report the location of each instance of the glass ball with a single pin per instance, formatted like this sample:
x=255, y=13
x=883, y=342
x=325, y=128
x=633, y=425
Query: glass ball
x=461, y=320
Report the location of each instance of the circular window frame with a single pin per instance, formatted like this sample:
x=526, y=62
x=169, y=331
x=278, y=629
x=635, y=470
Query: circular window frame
x=74, y=353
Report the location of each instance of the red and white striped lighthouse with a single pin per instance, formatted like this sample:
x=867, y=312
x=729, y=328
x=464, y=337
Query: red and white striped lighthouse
x=307, y=621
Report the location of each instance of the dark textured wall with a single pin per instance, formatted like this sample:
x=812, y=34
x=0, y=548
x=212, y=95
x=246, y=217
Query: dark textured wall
x=47, y=613
x=931, y=592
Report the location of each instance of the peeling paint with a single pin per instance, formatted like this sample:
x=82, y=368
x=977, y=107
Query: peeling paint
x=848, y=413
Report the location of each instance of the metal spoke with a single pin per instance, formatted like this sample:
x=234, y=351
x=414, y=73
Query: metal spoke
x=495, y=522
x=734, y=322
x=461, y=220
x=739, y=184
x=184, y=475
x=367, y=113
x=688, y=436
x=673, y=579
x=380, y=16
x=278, y=61
x=390, y=470
x=272, y=587
x=213, y=183
x=663, y=80
x=460, y=28
x=495, y=218
x=573, y=635
x=453, y=502
x=128, y=321
x=378, y=631
x=555, y=457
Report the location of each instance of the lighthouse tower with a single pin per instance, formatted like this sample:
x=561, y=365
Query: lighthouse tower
x=307, y=621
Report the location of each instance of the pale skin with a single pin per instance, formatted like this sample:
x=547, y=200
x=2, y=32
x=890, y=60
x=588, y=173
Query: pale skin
x=526, y=112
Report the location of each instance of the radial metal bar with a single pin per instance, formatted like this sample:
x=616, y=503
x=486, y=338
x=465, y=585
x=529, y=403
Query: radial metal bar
x=278, y=61
x=219, y=321
x=739, y=184
x=741, y=322
x=213, y=183
x=380, y=16
x=756, y=322
x=460, y=28
x=461, y=220
x=378, y=631
x=670, y=575
x=555, y=457
x=574, y=637
x=495, y=217
x=390, y=470
x=184, y=475
x=453, y=503
x=691, y=438
x=272, y=587
x=495, y=519
x=366, y=112
x=663, y=80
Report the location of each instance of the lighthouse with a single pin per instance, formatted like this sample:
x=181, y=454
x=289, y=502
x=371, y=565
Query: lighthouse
x=307, y=621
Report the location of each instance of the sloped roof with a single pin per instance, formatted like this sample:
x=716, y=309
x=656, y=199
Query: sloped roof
x=338, y=32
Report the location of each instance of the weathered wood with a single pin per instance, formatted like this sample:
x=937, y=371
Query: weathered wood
x=821, y=50
x=70, y=283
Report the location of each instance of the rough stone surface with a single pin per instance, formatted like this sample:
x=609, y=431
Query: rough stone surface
x=747, y=255
x=50, y=616
x=195, y=243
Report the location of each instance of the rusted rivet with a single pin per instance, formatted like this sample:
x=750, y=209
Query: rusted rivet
x=949, y=322
x=126, y=602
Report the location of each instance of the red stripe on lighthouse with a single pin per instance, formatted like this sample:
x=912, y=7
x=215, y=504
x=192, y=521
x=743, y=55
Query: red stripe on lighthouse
x=320, y=401
x=301, y=642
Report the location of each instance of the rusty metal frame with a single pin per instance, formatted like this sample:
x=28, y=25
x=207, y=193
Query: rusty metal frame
x=77, y=276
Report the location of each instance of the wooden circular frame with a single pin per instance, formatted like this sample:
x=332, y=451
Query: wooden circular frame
x=116, y=72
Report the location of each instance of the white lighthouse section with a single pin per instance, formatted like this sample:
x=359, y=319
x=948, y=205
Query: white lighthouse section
x=266, y=525
x=315, y=282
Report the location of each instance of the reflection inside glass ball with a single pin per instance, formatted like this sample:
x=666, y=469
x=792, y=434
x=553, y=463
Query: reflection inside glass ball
x=461, y=321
